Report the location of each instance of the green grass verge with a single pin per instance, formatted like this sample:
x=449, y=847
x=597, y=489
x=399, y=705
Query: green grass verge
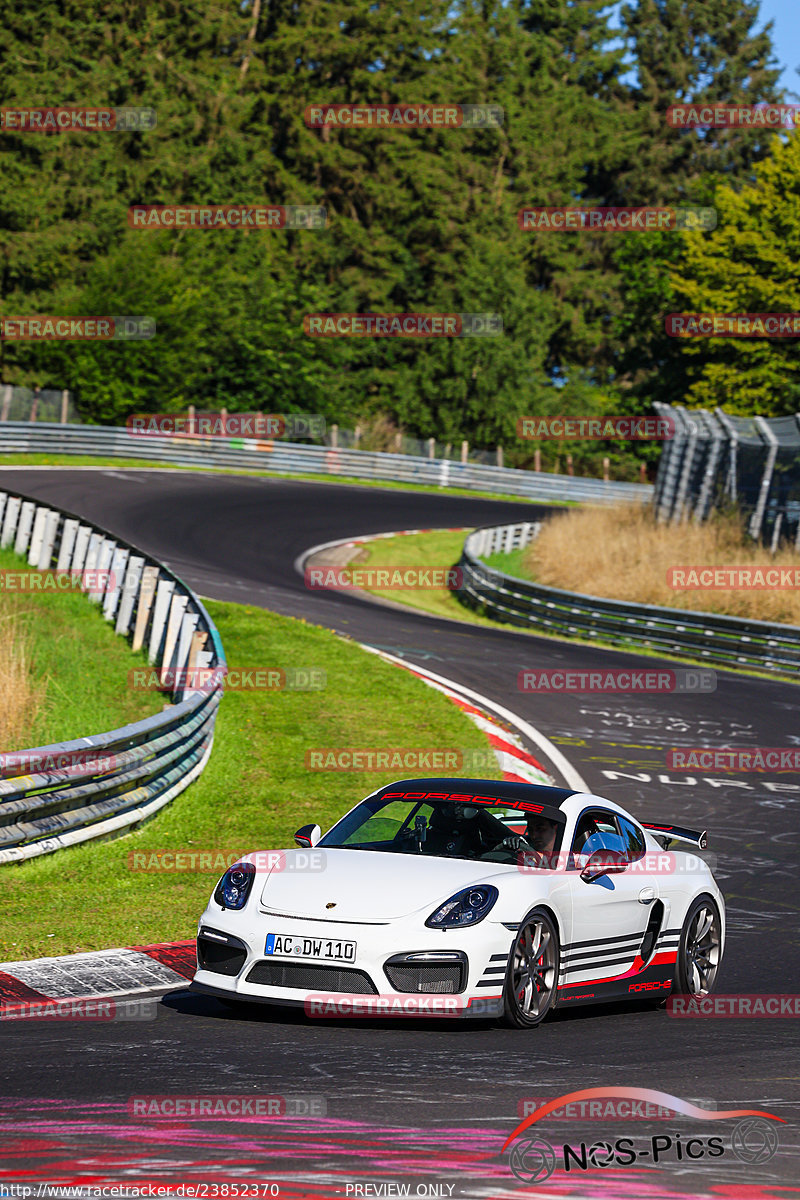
x=77, y=460
x=512, y=563
x=254, y=793
x=440, y=548
x=82, y=663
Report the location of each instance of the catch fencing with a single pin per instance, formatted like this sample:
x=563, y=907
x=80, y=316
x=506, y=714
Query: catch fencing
x=719, y=459
x=252, y=454
x=701, y=637
x=100, y=786
x=36, y=404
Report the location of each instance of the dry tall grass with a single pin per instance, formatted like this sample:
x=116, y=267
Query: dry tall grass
x=620, y=552
x=21, y=696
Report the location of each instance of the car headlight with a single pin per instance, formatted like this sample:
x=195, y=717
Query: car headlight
x=234, y=887
x=465, y=908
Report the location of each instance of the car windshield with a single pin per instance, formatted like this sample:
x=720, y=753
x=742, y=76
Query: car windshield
x=447, y=829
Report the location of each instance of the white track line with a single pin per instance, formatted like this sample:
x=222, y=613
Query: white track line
x=572, y=777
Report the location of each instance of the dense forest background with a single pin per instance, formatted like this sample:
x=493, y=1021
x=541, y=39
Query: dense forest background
x=417, y=220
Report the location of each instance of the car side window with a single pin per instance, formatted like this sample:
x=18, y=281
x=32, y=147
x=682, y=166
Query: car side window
x=592, y=821
x=633, y=839
x=595, y=830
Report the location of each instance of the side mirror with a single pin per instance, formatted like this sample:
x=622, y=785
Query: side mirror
x=603, y=862
x=307, y=836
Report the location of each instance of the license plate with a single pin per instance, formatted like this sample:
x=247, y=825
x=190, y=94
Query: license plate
x=325, y=949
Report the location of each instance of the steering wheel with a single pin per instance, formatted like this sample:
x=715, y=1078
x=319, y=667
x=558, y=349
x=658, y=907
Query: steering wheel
x=515, y=842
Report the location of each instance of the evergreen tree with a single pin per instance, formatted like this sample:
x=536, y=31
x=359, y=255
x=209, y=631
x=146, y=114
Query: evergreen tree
x=748, y=265
x=683, y=51
x=697, y=52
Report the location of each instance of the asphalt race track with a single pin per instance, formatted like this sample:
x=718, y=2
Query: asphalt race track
x=431, y=1103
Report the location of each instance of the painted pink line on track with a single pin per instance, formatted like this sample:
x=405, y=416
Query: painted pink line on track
x=74, y=1142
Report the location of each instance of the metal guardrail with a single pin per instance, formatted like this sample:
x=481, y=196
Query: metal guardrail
x=103, y=785
x=295, y=458
x=702, y=637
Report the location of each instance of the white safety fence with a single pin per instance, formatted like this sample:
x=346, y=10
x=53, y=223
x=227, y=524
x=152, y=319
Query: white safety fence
x=97, y=786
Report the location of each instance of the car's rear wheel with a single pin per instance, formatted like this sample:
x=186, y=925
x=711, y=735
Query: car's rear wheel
x=532, y=976
x=699, y=950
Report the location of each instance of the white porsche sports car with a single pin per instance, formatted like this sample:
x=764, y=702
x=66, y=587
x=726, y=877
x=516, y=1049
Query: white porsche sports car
x=471, y=897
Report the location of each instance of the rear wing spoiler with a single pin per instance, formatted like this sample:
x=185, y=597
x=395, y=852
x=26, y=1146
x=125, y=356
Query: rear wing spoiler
x=672, y=836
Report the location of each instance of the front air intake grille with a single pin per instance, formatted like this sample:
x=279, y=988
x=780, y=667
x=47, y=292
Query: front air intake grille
x=224, y=958
x=311, y=978
x=436, y=977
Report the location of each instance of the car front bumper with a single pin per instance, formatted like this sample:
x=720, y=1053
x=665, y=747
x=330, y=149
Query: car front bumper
x=419, y=959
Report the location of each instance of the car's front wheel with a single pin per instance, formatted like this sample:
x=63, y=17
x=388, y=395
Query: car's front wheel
x=700, y=949
x=532, y=976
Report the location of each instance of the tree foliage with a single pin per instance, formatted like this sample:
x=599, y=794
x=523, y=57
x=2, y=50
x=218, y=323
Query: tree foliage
x=418, y=220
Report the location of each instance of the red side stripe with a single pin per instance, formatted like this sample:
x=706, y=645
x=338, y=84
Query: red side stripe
x=659, y=960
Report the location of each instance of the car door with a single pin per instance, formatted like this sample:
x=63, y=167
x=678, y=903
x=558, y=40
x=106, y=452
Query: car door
x=610, y=915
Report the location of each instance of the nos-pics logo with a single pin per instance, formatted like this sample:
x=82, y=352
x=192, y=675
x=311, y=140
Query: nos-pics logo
x=534, y=1159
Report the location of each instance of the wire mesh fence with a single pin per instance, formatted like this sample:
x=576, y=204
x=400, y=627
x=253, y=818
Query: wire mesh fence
x=395, y=441
x=717, y=459
x=37, y=404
